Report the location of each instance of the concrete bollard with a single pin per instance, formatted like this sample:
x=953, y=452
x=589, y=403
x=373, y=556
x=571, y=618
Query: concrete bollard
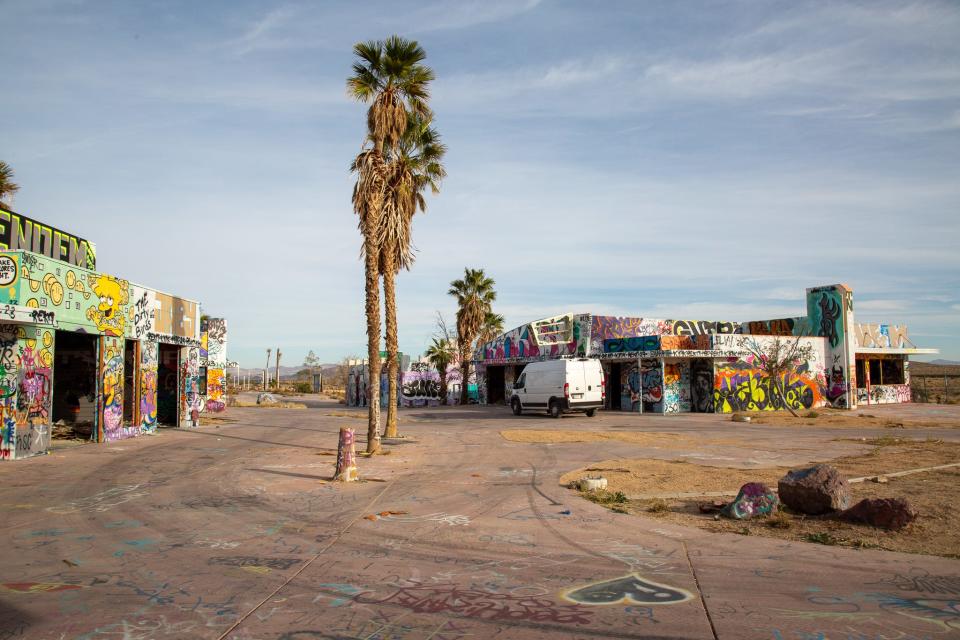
x=346, y=457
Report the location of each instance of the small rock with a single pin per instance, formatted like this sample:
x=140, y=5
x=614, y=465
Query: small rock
x=888, y=513
x=266, y=398
x=711, y=507
x=880, y=479
x=818, y=489
x=739, y=417
x=754, y=499
x=592, y=484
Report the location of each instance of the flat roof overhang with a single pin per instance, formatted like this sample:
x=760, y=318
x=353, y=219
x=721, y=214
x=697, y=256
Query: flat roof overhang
x=901, y=350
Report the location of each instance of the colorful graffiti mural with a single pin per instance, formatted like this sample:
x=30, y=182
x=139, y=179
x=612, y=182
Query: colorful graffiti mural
x=676, y=386
x=108, y=314
x=190, y=399
x=884, y=394
x=216, y=386
x=111, y=380
x=739, y=386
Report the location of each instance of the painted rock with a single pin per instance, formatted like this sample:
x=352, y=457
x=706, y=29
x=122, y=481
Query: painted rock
x=266, y=398
x=818, y=489
x=754, y=499
x=889, y=513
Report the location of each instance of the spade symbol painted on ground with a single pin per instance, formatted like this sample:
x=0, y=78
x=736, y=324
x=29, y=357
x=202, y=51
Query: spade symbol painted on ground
x=629, y=588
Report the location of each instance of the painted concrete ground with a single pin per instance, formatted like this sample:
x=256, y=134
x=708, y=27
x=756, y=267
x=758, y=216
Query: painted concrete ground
x=231, y=532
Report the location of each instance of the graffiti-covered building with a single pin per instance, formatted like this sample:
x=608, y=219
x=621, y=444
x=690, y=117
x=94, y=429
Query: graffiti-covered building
x=419, y=384
x=108, y=357
x=672, y=366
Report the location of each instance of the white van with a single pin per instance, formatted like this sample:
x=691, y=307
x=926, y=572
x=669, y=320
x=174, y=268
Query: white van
x=557, y=386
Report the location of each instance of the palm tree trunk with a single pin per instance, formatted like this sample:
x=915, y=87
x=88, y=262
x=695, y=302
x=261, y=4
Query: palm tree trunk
x=373, y=343
x=465, y=372
x=390, y=302
x=443, y=386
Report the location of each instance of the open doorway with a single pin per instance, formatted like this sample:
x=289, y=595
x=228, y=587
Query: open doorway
x=131, y=370
x=496, y=380
x=75, y=382
x=167, y=384
x=614, y=399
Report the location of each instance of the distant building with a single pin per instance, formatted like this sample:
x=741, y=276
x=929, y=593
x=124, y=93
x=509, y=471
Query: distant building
x=675, y=366
x=104, y=355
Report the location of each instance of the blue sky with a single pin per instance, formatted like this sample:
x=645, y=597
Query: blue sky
x=687, y=160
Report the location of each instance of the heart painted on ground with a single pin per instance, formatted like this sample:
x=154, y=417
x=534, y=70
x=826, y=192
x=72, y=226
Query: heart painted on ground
x=630, y=588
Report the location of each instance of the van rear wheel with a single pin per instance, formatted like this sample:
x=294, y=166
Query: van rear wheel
x=554, y=409
x=591, y=413
x=515, y=405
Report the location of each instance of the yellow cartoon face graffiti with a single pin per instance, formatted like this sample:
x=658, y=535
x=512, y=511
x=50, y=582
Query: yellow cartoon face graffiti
x=107, y=314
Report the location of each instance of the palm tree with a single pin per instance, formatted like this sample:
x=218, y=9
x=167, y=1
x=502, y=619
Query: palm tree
x=7, y=186
x=440, y=354
x=491, y=329
x=388, y=75
x=475, y=295
x=415, y=165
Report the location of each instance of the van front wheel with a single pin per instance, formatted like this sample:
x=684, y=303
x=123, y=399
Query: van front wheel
x=515, y=405
x=554, y=409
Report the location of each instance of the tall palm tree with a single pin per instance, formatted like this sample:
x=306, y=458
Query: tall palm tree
x=440, y=354
x=415, y=165
x=7, y=186
x=475, y=295
x=390, y=77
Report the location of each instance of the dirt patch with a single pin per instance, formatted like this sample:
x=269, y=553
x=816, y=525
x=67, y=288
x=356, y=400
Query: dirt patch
x=934, y=494
x=274, y=405
x=863, y=419
x=655, y=439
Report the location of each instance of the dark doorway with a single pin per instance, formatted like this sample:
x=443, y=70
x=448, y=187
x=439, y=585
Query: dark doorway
x=75, y=380
x=168, y=362
x=130, y=370
x=701, y=380
x=495, y=385
x=613, y=387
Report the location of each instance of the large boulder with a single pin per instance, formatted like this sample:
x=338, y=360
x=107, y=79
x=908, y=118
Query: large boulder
x=819, y=489
x=754, y=499
x=266, y=398
x=889, y=513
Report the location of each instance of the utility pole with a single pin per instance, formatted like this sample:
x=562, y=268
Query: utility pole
x=278, y=368
x=266, y=376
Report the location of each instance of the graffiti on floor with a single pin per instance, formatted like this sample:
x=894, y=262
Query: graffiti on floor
x=925, y=583
x=626, y=589
x=254, y=561
x=103, y=501
x=450, y=599
x=449, y=519
x=39, y=587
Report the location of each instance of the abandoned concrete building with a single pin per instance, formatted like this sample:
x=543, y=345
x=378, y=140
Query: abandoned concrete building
x=674, y=366
x=92, y=354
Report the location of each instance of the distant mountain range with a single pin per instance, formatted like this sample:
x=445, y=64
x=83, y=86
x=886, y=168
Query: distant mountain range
x=947, y=362
x=285, y=372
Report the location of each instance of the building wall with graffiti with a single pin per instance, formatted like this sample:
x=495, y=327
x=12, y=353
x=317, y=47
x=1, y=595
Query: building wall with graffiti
x=213, y=359
x=671, y=365
x=46, y=300
x=25, y=390
x=742, y=383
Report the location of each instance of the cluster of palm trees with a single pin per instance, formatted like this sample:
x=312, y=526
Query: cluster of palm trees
x=7, y=186
x=476, y=324
x=400, y=159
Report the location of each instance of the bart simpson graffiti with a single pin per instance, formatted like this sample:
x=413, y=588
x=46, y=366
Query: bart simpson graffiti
x=107, y=313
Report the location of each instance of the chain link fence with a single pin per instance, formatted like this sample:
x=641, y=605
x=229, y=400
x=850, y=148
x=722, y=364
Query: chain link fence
x=938, y=389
